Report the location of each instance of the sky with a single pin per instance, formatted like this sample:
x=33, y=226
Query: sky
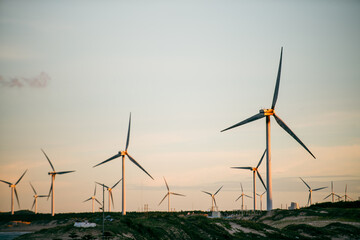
x=72, y=71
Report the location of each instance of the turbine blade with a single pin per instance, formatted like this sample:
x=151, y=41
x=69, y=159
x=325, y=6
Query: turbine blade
x=137, y=164
x=163, y=198
x=5, y=182
x=95, y=190
x=112, y=199
x=327, y=196
x=309, y=199
x=101, y=184
x=261, y=159
x=249, y=168
x=107, y=160
x=291, y=133
x=250, y=119
x=276, y=92
x=51, y=187
x=167, y=186
x=218, y=191
x=33, y=188
x=338, y=196
x=247, y=196
x=87, y=200
x=17, y=197
x=98, y=202
x=215, y=202
x=317, y=189
x=64, y=172
x=21, y=177
x=305, y=183
x=238, y=198
x=207, y=193
x=261, y=179
x=42, y=195
x=178, y=194
x=116, y=183
x=33, y=204
x=332, y=186
x=128, y=135
x=48, y=160
x=242, y=190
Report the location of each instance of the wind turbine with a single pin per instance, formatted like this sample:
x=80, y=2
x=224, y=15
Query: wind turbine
x=332, y=194
x=346, y=196
x=168, y=195
x=260, y=195
x=36, y=197
x=93, y=198
x=267, y=113
x=13, y=190
x=123, y=154
x=110, y=192
x=52, y=189
x=310, y=191
x=242, y=197
x=213, y=198
x=255, y=170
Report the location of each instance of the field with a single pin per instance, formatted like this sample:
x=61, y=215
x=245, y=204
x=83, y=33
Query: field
x=322, y=221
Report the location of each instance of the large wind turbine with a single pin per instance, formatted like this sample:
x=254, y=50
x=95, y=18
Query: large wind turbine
x=13, y=189
x=332, y=194
x=310, y=191
x=168, y=195
x=93, y=198
x=346, y=196
x=242, y=197
x=36, y=196
x=261, y=195
x=213, y=198
x=123, y=154
x=267, y=113
x=109, y=189
x=52, y=189
x=255, y=170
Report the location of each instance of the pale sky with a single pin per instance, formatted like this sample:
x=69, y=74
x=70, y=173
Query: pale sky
x=72, y=71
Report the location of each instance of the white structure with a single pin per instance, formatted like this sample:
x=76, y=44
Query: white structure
x=52, y=188
x=122, y=154
x=168, y=195
x=332, y=194
x=294, y=205
x=267, y=113
x=84, y=224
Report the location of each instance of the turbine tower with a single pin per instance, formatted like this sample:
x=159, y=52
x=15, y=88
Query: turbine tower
x=346, y=196
x=332, y=194
x=255, y=170
x=168, y=195
x=93, y=198
x=13, y=190
x=52, y=188
x=261, y=195
x=35, y=198
x=267, y=113
x=123, y=154
x=213, y=198
x=242, y=197
x=310, y=192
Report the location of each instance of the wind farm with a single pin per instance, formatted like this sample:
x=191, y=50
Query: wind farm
x=227, y=100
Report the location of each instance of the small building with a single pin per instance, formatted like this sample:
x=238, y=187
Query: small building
x=294, y=205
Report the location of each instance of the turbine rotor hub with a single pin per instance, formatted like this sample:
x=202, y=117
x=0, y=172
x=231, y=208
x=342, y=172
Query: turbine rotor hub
x=267, y=112
x=123, y=153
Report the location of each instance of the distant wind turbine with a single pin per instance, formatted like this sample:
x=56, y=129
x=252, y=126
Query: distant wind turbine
x=332, y=194
x=346, y=196
x=255, y=170
x=242, y=197
x=123, y=154
x=260, y=195
x=213, y=198
x=13, y=190
x=36, y=196
x=168, y=195
x=267, y=113
x=93, y=198
x=310, y=191
x=52, y=188
x=109, y=189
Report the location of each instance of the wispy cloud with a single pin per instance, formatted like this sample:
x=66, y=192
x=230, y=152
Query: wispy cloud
x=40, y=81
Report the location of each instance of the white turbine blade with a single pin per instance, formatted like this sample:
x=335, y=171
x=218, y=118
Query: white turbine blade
x=207, y=193
x=250, y=119
x=95, y=190
x=116, y=184
x=107, y=160
x=166, y=184
x=291, y=133
x=238, y=198
x=309, y=199
x=163, y=198
x=215, y=202
x=137, y=164
x=51, y=188
x=247, y=196
x=332, y=186
x=33, y=204
x=98, y=202
x=276, y=92
x=317, y=189
x=242, y=190
x=6, y=182
x=21, y=177
x=337, y=195
x=261, y=159
x=261, y=179
x=218, y=190
x=248, y=168
x=128, y=135
x=65, y=172
x=42, y=195
x=305, y=183
x=48, y=160
x=33, y=188
x=87, y=199
x=178, y=194
x=17, y=197
x=327, y=196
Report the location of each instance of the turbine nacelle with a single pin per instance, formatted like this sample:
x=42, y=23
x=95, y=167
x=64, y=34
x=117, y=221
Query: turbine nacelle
x=122, y=153
x=267, y=112
x=51, y=173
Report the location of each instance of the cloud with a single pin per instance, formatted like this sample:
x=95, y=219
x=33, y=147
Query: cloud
x=39, y=81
